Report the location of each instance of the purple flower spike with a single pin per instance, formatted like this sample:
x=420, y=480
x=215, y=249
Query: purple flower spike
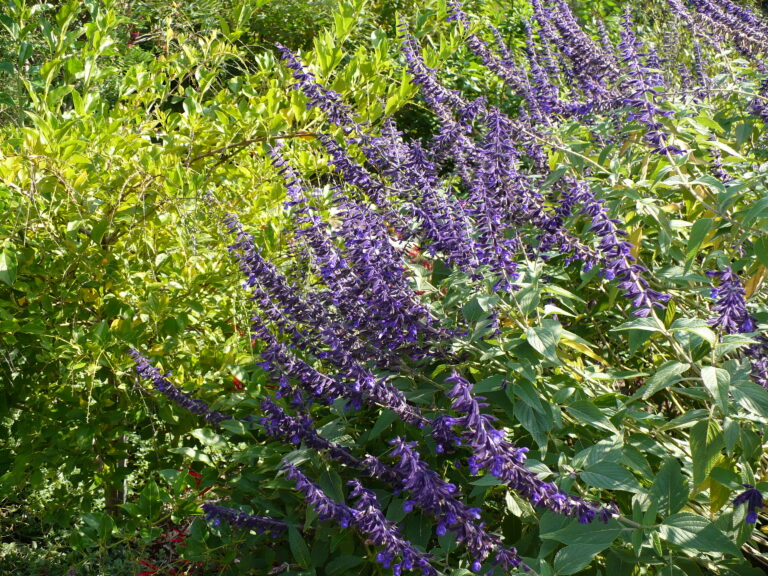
x=215, y=515
x=730, y=305
x=640, y=89
x=754, y=501
x=326, y=508
x=493, y=453
x=319, y=96
x=366, y=517
x=616, y=254
x=173, y=393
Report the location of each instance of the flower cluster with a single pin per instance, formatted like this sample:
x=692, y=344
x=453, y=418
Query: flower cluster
x=174, y=393
x=640, y=89
x=366, y=517
x=349, y=327
x=217, y=514
x=730, y=305
x=754, y=501
x=493, y=453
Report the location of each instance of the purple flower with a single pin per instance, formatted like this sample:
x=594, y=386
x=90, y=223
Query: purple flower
x=217, y=514
x=326, y=100
x=396, y=552
x=326, y=508
x=173, y=393
x=754, y=501
x=590, y=66
x=640, y=89
x=368, y=519
x=493, y=453
x=441, y=499
x=617, y=261
x=730, y=305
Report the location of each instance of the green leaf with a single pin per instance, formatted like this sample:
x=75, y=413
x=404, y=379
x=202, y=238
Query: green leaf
x=695, y=326
x=596, y=533
x=382, y=423
x=209, y=438
x=193, y=454
x=645, y=324
x=706, y=444
x=699, y=231
x=588, y=413
x=149, y=501
x=670, y=489
x=234, y=426
x=694, y=532
x=610, y=476
x=342, y=565
x=750, y=396
x=667, y=375
x=299, y=548
x=572, y=559
x=490, y=384
x=717, y=381
x=8, y=265
x=544, y=338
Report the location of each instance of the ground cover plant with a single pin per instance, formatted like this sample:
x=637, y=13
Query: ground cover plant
x=510, y=316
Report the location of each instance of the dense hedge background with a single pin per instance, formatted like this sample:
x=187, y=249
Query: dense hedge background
x=128, y=128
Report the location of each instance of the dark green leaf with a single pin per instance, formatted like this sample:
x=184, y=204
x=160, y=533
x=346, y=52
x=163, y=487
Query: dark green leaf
x=694, y=532
x=670, y=489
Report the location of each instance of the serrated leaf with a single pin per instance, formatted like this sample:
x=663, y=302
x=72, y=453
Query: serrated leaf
x=610, y=476
x=299, y=548
x=717, y=382
x=699, y=232
x=706, y=444
x=208, y=437
x=595, y=533
x=572, y=559
x=670, y=489
x=667, y=375
x=644, y=324
x=8, y=266
x=696, y=326
x=692, y=531
x=193, y=454
x=234, y=426
x=586, y=412
x=544, y=338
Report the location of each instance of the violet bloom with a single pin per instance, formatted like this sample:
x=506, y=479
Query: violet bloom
x=173, y=393
x=640, y=90
x=679, y=9
x=397, y=553
x=493, y=453
x=590, y=66
x=754, y=501
x=759, y=106
x=353, y=173
x=396, y=316
x=326, y=508
x=748, y=33
x=368, y=519
x=730, y=305
x=616, y=254
x=215, y=515
x=547, y=101
x=441, y=499
x=502, y=65
x=733, y=318
x=326, y=100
